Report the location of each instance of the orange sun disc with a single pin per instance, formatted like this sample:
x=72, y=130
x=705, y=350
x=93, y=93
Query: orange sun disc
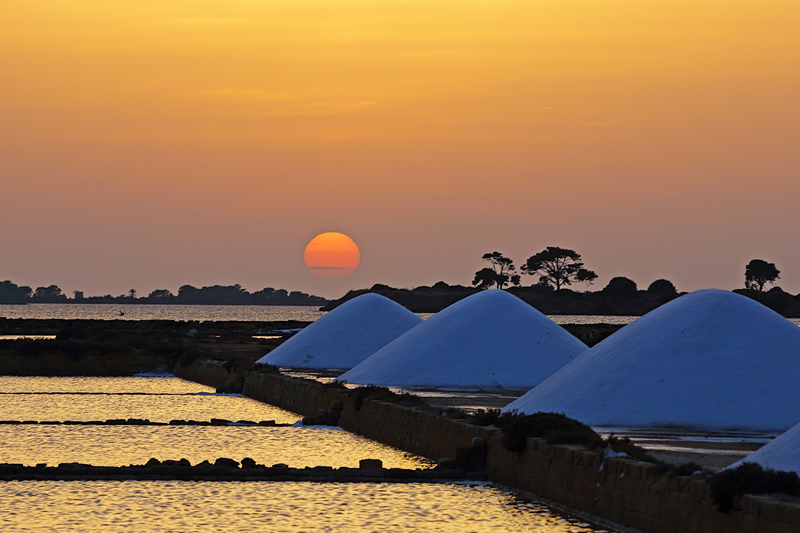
x=332, y=254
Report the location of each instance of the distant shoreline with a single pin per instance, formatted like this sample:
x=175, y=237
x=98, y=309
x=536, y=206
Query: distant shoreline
x=562, y=302
x=84, y=302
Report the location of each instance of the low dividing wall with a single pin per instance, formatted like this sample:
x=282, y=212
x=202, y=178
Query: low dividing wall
x=620, y=490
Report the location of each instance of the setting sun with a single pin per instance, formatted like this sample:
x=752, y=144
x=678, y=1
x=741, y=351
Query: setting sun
x=332, y=254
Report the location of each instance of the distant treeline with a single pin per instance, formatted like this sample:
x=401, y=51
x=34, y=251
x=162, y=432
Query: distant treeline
x=10, y=293
x=621, y=297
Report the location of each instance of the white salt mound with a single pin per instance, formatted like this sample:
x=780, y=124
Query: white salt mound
x=346, y=336
x=711, y=359
x=489, y=340
x=783, y=453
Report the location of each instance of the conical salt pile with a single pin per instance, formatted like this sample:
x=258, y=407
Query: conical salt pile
x=711, y=359
x=488, y=340
x=346, y=336
x=783, y=453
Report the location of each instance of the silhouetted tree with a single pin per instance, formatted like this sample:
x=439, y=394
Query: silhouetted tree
x=486, y=277
x=621, y=288
x=662, y=287
x=11, y=293
x=160, y=295
x=501, y=272
x=758, y=273
x=132, y=293
x=557, y=267
x=51, y=294
x=186, y=294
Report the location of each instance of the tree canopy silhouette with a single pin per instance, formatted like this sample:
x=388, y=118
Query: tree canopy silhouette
x=621, y=288
x=500, y=273
x=662, y=287
x=51, y=294
x=11, y=293
x=557, y=267
x=758, y=273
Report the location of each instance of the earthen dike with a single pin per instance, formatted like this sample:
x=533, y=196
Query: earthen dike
x=621, y=492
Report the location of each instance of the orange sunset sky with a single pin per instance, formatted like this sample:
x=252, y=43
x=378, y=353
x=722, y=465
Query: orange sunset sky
x=148, y=144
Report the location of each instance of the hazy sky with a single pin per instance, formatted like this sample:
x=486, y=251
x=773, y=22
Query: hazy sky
x=147, y=144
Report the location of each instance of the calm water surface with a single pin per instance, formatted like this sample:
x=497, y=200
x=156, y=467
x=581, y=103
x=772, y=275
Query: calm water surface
x=238, y=313
x=297, y=447
x=244, y=313
x=156, y=506
x=151, y=385
x=152, y=506
x=161, y=400
x=155, y=407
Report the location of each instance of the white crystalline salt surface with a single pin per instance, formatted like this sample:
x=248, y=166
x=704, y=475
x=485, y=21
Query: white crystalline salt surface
x=346, y=336
x=783, y=453
x=489, y=340
x=711, y=359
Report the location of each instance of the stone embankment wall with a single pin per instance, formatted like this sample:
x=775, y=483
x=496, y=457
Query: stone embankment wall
x=211, y=373
x=620, y=490
x=628, y=492
x=64, y=364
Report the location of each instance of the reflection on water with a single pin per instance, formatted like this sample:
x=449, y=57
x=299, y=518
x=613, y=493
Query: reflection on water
x=151, y=385
x=31, y=337
x=156, y=506
x=281, y=507
x=156, y=408
x=297, y=447
x=161, y=400
x=238, y=313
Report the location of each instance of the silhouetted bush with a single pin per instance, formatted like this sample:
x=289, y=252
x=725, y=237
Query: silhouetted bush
x=485, y=417
x=383, y=394
x=620, y=288
x=455, y=413
x=728, y=486
x=660, y=288
x=554, y=428
x=265, y=368
x=332, y=385
x=626, y=445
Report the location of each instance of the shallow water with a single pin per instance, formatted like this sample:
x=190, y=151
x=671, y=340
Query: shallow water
x=297, y=447
x=201, y=406
x=156, y=506
x=161, y=400
x=243, y=313
x=152, y=385
x=238, y=313
x=152, y=506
